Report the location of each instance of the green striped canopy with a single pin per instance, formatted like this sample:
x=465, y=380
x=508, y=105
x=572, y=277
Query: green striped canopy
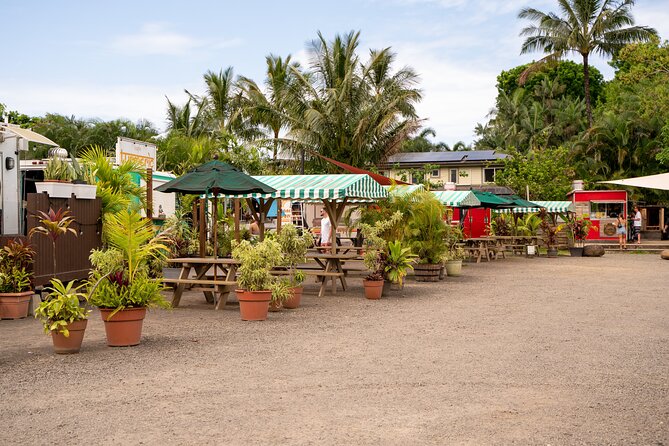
x=353, y=187
x=457, y=198
x=551, y=206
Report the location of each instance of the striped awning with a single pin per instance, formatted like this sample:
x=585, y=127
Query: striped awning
x=403, y=189
x=551, y=206
x=353, y=187
x=457, y=198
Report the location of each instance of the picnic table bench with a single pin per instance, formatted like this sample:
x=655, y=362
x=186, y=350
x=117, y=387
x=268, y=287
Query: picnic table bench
x=216, y=288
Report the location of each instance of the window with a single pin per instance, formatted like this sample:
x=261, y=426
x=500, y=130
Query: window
x=435, y=173
x=415, y=179
x=489, y=174
x=453, y=176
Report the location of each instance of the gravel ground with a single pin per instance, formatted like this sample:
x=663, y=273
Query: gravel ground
x=517, y=351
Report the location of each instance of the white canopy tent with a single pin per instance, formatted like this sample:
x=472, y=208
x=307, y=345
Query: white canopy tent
x=659, y=181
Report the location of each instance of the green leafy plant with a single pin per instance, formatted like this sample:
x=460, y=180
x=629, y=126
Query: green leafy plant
x=61, y=307
x=549, y=229
x=120, y=276
x=398, y=261
x=294, y=248
x=427, y=228
x=57, y=169
x=578, y=228
x=376, y=246
x=15, y=260
x=82, y=173
x=452, y=240
x=53, y=225
x=256, y=263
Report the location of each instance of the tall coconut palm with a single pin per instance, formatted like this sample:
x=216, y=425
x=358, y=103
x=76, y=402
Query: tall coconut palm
x=268, y=108
x=584, y=27
x=353, y=111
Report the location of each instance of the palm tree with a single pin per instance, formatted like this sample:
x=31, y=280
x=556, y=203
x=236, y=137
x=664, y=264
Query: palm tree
x=269, y=108
x=583, y=27
x=353, y=111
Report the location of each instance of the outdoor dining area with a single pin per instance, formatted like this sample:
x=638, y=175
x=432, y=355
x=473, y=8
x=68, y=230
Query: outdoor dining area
x=392, y=237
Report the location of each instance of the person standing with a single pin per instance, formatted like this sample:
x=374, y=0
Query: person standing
x=637, y=225
x=622, y=230
x=326, y=229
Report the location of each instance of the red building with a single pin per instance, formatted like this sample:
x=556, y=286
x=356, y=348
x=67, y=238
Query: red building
x=601, y=207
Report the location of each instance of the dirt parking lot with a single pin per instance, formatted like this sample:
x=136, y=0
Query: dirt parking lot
x=517, y=351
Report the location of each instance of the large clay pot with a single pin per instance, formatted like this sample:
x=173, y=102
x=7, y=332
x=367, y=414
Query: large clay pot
x=71, y=344
x=14, y=305
x=453, y=268
x=124, y=329
x=294, y=302
x=426, y=272
x=253, y=305
x=373, y=288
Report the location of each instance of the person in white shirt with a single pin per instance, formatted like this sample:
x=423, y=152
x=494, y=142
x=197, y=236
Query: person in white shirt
x=637, y=225
x=326, y=229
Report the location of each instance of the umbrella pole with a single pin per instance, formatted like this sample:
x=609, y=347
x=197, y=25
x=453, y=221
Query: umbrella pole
x=203, y=230
x=215, y=218
x=237, y=211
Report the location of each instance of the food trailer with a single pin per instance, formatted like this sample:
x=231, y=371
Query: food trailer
x=602, y=207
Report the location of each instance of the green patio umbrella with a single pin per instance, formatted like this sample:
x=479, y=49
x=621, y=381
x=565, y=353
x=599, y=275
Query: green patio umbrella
x=492, y=201
x=215, y=177
x=520, y=202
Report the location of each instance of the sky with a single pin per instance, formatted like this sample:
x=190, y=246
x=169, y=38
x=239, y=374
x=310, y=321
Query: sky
x=121, y=59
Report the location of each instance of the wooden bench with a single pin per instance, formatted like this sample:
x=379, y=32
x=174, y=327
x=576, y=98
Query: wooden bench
x=477, y=252
x=222, y=287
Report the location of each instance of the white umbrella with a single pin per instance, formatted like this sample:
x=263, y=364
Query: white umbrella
x=660, y=181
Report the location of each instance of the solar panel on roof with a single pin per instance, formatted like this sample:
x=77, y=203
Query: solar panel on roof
x=484, y=155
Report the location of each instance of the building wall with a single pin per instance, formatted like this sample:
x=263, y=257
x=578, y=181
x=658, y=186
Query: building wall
x=466, y=175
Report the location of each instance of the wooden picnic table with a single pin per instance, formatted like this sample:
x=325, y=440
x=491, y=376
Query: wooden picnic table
x=478, y=248
x=331, y=268
x=516, y=243
x=216, y=289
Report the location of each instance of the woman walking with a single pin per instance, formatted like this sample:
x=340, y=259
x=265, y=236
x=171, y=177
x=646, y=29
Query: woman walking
x=622, y=231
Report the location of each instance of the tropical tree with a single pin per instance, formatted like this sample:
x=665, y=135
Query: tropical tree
x=268, y=108
x=583, y=27
x=353, y=111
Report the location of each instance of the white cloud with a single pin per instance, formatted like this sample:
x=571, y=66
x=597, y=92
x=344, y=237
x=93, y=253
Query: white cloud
x=157, y=39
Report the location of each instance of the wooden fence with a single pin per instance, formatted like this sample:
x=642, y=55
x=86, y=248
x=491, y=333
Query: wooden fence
x=71, y=252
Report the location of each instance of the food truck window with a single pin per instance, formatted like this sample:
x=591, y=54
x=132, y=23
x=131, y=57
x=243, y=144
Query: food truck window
x=600, y=210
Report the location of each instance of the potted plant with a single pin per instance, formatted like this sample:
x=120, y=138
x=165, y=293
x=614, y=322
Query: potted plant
x=376, y=254
x=578, y=229
x=455, y=253
x=53, y=225
x=294, y=248
x=398, y=262
x=427, y=230
x=57, y=178
x=120, y=284
x=63, y=316
x=15, y=280
x=257, y=285
x=83, y=180
x=549, y=232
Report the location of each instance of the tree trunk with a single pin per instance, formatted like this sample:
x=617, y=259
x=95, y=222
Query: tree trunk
x=586, y=82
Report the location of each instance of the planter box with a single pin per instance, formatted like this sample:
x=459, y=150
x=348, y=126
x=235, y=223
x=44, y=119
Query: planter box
x=55, y=189
x=85, y=191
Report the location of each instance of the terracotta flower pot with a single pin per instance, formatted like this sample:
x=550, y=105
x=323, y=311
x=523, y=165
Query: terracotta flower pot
x=124, y=329
x=71, y=344
x=14, y=305
x=294, y=302
x=274, y=306
x=373, y=288
x=253, y=305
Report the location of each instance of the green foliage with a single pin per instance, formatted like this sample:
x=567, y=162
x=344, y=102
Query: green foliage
x=58, y=169
x=502, y=225
x=565, y=72
x=76, y=134
x=61, y=307
x=256, y=263
x=376, y=243
x=577, y=228
x=15, y=260
x=354, y=111
x=120, y=277
x=294, y=248
x=547, y=172
x=528, y=225
x=399, y=260
x=427, y=228
x=549, y=229
x=116, y=187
